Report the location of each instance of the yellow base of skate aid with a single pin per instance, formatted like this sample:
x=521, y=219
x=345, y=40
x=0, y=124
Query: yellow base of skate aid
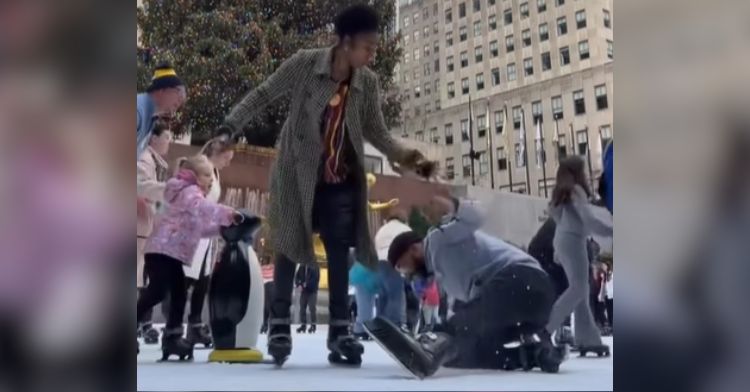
x=236, y=356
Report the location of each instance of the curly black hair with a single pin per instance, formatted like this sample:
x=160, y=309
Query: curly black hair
x=356, y=19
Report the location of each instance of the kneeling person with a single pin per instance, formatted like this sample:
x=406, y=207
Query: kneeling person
x=503, y=297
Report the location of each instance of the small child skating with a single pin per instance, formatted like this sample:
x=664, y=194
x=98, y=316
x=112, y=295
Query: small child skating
x=187, y=218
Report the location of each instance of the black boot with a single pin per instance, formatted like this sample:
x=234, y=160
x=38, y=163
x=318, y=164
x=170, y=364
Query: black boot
x=362, y=336
x=312, y=329
x=422, y=356
x=302, y=329
x=199, y=334
x=344, y=347
x=280, y=340
x=263, y=328
x=601, y=350
x=549, y=356
x=172, y=343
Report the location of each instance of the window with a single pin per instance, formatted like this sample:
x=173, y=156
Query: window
x=546, y=61
x=478, y=54
x=449, y=39
x=373, y=164
x=434, y=137
x=541, y=5
x=536, y=111
x=509, y=47
x=578, y=103
x=557, y=107
x=583, y=49
x=480, y=81
x=538, y=152
x=426, y=50
x=528, y=66
x=417, y=111
x=416, y=17
x=517, y=117
x=495, y=76
x=601, y=97
x=582, y=140
x=607, y=19
x=491, y=2
x=448, y=15
x=416, y=74
x=449, y=134
x=511, y=72
x=450, y=170
x=465, y=130
x=425, y=13
x=451, y=90
x=484, y=163
x=559, y=2
x=562, y=149
x=466, y=163
x=502, y=159
x=426, y=31
x=610, y=49
x=436, y=67
x=435, y=9
x=462, y=10
x=524, y=9
x=462, y=33
x=477, y=5
x=449, y=63
x=477, y=28
x=605, y=134
x=416, y=37
x=407, y=38
x=407, y=56
x=406, y=21
x=406, y=78
x=564, y=56
x=436, y=85
x=416, y=54
x=493, y=22
x=543, y=32
x=417, y=92
x=508, y=16
x=499, y=121
x=465, y=86
x=526, y=38
x=437, y=102
x=482, y=125
x=494, y=51
x=427, y=88
x=435, y=28
x=464, y=59
x=519, y=156
x=562, y=26
x=581, y=19
x=419, y=136
x=426, y=70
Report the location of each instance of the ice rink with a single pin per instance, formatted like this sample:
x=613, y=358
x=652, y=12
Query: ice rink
x=308, y=370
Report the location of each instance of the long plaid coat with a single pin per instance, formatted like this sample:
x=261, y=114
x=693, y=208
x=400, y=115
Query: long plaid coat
x=306, y=79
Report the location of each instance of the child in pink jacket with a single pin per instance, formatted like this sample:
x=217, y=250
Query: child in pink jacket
x=187, y=218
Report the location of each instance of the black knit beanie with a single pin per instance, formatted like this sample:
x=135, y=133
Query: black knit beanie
x=164, y=77
x=401, y=245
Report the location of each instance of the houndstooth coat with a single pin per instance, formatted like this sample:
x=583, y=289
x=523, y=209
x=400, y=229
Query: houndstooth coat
x=306, y=79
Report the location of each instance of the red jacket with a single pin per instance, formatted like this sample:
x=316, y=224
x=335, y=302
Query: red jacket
x=432, y=295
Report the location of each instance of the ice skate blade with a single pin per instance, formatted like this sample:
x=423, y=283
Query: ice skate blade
x=337, y=359
x=245, y=355
x=396, y=359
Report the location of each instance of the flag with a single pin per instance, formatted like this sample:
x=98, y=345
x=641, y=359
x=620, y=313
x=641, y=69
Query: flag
x=522, y=138
x=538, y=144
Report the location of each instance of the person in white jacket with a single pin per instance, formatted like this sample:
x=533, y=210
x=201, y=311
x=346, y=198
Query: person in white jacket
x=391, y=303
x=220, y=151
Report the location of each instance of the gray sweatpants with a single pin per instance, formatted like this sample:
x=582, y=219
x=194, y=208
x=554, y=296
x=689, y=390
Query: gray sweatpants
x=570, y=252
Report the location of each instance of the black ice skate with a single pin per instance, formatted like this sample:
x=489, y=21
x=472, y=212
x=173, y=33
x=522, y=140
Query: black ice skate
x=422, y=357
x=344, y=347
x=312, y=329
x=280, y=340
x=172, y=343
x=263, y=329
x=199, y=334
x=302, y=329
x=548, y=355
x=362, y=336
x=600, y=350
x=150, y=334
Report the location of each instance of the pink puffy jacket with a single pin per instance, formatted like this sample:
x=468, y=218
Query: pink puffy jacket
x=187, y=218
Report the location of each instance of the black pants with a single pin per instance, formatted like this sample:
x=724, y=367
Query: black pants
x=516, y=300
x=334, y=218
x=165, y=277
x=610, y=308
x=198, y=295
x=267, y=300
x=308, y=300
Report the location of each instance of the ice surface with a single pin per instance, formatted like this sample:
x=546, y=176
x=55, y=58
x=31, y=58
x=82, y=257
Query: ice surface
x=308, y=370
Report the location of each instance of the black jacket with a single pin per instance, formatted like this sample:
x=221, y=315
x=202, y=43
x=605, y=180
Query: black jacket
x=308, y=277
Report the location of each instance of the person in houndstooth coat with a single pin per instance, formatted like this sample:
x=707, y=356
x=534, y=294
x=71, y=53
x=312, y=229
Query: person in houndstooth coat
x=318, y=180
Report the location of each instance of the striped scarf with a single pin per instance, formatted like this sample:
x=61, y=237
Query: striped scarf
x=334, y=168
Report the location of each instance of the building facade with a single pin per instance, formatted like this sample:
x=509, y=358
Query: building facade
x=521, y=64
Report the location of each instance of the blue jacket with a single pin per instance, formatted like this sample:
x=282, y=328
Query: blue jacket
x=144, y=120
x=363, y=278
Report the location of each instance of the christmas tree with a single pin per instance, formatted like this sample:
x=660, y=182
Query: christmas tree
x=223, y=48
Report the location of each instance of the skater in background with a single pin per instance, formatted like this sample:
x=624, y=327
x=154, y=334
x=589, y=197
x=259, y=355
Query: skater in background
x=267, y=271
x=152, y=172
x=308, y=281
x=163, y=98
x=391, y=302
x=365, y=284
x=609, y=300
x=188, y=217
x=598, y=281
x=220, y=152
x=502, y=296
x=318, y=179
x=575, y=222
x=430, y=305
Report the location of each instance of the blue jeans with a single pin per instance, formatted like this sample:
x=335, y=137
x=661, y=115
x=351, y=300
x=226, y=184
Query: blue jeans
x=365, y=303
x=391, y=295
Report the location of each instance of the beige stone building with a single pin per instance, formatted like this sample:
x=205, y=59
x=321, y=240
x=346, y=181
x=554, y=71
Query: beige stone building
x=545, y=61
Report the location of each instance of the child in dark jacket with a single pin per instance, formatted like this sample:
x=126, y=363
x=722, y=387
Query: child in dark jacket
x=307, y=281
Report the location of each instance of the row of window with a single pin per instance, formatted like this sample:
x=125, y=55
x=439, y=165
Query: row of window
x=541, y=6
x=483, y=123
x=561, y=145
